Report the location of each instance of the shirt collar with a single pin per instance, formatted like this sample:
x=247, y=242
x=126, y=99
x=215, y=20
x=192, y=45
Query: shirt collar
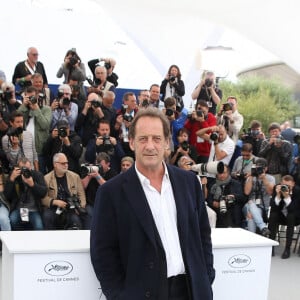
x=144, y=179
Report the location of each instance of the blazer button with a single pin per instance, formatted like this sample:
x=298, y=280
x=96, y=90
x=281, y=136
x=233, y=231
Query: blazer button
x=147, y=294
x=151, y=265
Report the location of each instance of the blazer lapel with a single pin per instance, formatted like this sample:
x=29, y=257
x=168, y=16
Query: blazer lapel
x=135, y=194
x=180, y=196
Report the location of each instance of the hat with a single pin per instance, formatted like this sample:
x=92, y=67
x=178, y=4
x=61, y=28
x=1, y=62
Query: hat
x=63, y=123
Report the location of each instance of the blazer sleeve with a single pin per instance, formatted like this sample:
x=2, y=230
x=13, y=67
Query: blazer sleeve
x=104, y=245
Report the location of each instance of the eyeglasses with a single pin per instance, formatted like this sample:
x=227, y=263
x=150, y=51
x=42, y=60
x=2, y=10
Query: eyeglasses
x=34, y=54
x=63, y=163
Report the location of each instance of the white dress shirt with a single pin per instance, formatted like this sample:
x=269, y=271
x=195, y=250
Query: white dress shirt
x=164, y=213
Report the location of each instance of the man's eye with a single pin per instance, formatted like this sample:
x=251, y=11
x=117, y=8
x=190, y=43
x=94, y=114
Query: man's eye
x=157, y=138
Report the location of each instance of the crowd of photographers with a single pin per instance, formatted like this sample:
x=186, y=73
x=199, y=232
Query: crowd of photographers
x=57, y=149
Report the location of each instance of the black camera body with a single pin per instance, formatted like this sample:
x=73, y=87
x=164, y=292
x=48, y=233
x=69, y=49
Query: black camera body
x=107, y=65
x=62, y=132
x=73, y=203
x=106, y=140
x=73, y=61
x=208, y=82
x=95, y=103
x=214, y=136
x=6, y=95
x=169, y=112
x=26, y=172
x=227, y=106
x=200, y=113
x=145, y=103
x=14, y=131
x=284, y=188
x=172, y=78
x=127, y=118
x=33, y=99
x=86, y=169
x=185, y=146
x=257, y=170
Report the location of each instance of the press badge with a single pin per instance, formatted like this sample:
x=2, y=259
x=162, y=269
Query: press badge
x=24, y=212
x=209, y=103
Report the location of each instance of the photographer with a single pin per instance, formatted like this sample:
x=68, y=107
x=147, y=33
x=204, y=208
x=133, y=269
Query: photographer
x=173, y=86
x=44, y=92
x=231, y=118
x=285, y=210
x=176, y=118
x=18, y=143
x=242, y=166
x=123, y=121
x=183, y=148
x=227, y=199
x=24, y=190
x=208, y=91
x=198, y=121
x=254, y=136
x=63, y=140
x=73, y=67
x=277, y=152
x=37, y=118
x=143, y=99
x=109, y=64
x=94, y=176
x=64, y=203
x=258, y=187
x=8, y=101
x=100, y=83
x=104, y=142
x=63, y=107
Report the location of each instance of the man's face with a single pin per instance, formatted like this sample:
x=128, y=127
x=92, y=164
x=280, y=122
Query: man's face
x=246, y=155
x=274, y=132
x=103, y=130
x=233, y=103
x=67, y=93
x=33, y=55
x=222, y=134
x=61, y=166
x=18, y=122
x=26, y=165
x=105, y=165
x=101, y=73
x=125, y=165
x=223, y=176
x=203, y=108
x=108, y=101
x=38, y=83
x=289, y=183
x=149, y=144
x=154, y=94
x=131, y=102
x=144, y=95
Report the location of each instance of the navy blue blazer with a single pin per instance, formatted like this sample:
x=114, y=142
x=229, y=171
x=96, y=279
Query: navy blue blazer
x=125, y=251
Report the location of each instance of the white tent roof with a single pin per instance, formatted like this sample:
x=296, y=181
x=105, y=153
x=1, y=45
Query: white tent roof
x=146, y=37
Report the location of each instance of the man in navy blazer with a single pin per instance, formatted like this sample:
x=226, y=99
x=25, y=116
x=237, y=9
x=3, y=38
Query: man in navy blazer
x=150, y=235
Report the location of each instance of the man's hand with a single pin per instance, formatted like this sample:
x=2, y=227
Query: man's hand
x=15, y=173
x=113, y=140
x=60, y=203
x=29, y=181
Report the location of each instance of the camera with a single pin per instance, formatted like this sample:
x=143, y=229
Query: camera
x=62, y=132
x=33, y=99
x=185, y=146
x=73, y=61
x=107, y=65
x=106, y=140
x=74, y=203
x=212, y=167
x=172, y=78
x=214, y=136
x=127, y=118
x=227, y=106
x=256, y=170
x=6, y=95
x=14, y=131
x=208, y=82
x=145, y=103
x=284, y=188
x=26, y=172
x=88, y=169
x=240, y=176
x=199, y=113
x=169, y=112
x=66, y=101
x=95, y=103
